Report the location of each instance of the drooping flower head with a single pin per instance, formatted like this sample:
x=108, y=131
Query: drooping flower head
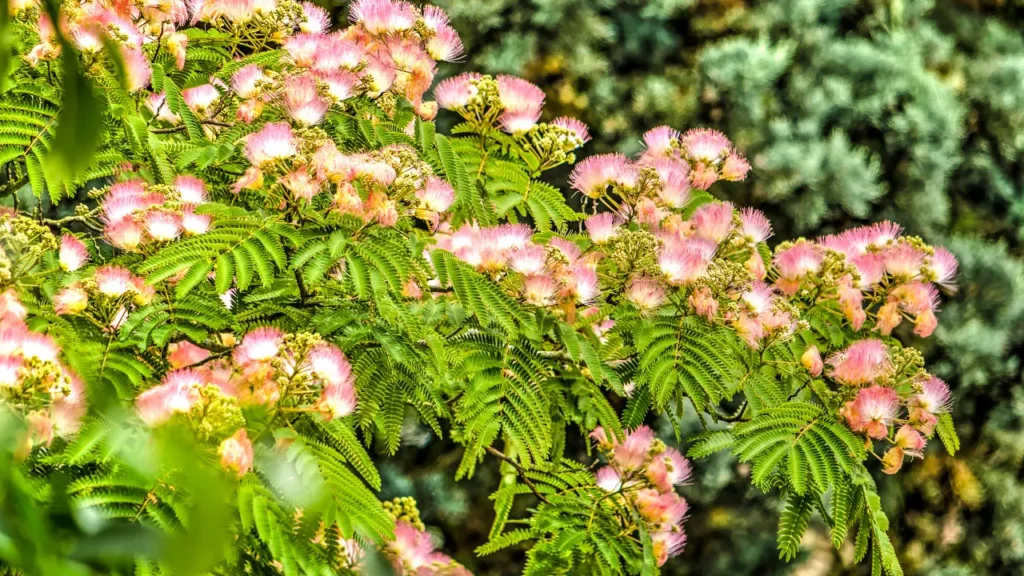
x=669, y=469
x=863, y=362
x=645, y=293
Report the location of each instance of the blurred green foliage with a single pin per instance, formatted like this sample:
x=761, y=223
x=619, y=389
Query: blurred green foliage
x=851, y=111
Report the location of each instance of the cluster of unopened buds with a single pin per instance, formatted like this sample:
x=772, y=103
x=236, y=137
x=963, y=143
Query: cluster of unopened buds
x=34, y=382
x=288, y=373
x=643, y=473
x=888, y=397
x=513, y=105
x=137, y=215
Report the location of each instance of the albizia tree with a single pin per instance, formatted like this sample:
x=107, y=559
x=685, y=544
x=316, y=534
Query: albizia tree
x=274, y=260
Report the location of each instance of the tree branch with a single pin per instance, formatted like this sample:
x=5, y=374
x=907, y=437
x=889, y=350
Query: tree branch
x=521, y=471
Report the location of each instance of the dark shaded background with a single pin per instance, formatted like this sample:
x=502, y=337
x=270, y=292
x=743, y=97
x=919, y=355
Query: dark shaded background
x=851, y=111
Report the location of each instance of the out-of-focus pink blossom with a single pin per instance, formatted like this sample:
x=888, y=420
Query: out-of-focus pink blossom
x=236, y=453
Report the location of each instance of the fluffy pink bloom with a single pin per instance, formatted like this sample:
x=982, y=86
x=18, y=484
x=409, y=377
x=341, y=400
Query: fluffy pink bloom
x=301, y=184
x=645, y=293
x=575, y=126
x=703, y=175
x=539, y=290
x=380, y=17
x=162, y=226
x=380, y=73
x=412, y=547
x=177, y=46
x=303, y=48
x=668, y=543
x=870, y=268
x=39, y=346
x=662, y=509
x=329, y=364
x=873, y=411
x=157, y=104
x=750, y=329
x=795, y=263
x=705, y=145
x=200, y=98
x=674, y=191
x=595, y=174
x=850, y=300
x=194, y=224
x=445, y=44
x=274, y=141
x=73, y=253
x=177, y=393
x=10, y=370
x=125, y=234
x=904, y=260
x=934, y=396
x=260, y=345
x=888, y=318
x=911, y=441
x=608, y=479
x=735, y=167
x=338, y=400
x=713, y=221
x=71, y=300
x=862, y=362
x=925, y=323
x=456, y=93
x=190, y=189
x=943, y=267
x=522, y=101
x=11, y=308
x=602, y=227
x=530, y=260
x=113, y=281
x=341, y=84
x=316, y=19
x=236, y=453
x=682, y=267
x=659, y=142
x=302, y=102
x=632, y=453
x=758, y=297
x=916, y=297
x=811, y=361
x=583, y=283
x=669, y=469
x=124, y=199
x=755, y=225
x=137, y=71
x=246, y=81
x=185, y=353
x=437, y=194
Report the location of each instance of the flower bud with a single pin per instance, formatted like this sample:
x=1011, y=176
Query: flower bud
x=811, y=361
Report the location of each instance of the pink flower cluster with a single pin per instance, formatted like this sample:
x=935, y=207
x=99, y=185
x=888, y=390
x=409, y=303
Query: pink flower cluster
x=696, y=159
x=643, y=473
x=876, y=408
x=557, y=272
x=515, y=106
x=34, y=381
x=110, y=284
x=135, y=216
x=414, y=553
x=900, y=274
